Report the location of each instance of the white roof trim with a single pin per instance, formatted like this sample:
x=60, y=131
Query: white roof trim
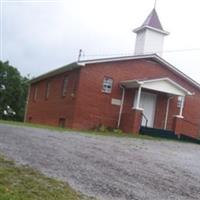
x=137, y=83
x=170, y=66
x=55, y=72
x=153, y=56
x=151, y=28
x=102, y=60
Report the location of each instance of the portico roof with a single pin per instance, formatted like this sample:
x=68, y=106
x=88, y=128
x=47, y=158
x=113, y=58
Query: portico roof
x=165, y=85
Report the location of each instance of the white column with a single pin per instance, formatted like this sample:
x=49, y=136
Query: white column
x=121, y=107
x=182, y=106
x=138, y=97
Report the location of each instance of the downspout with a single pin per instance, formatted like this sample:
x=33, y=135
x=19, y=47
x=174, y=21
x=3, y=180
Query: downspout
x=167, y=112
x=27, y=101
x=121, y=106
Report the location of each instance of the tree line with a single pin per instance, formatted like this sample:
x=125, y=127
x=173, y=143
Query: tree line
x=13, y=92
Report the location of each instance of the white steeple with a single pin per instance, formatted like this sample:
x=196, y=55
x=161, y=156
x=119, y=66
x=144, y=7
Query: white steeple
x=150, y=36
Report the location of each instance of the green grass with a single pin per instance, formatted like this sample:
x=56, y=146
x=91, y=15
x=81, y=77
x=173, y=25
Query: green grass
x=24, y=183
x=106, y=133
x=34, y=125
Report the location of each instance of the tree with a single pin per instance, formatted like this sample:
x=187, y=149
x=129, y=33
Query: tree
x=13, y=92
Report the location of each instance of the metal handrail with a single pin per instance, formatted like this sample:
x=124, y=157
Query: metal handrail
x=146, y=119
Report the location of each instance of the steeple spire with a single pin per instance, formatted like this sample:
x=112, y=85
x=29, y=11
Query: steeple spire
x=150, y=35
x=155, y=4
x=152, y=21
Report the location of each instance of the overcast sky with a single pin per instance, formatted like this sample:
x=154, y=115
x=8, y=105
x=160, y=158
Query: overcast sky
x=38, y=36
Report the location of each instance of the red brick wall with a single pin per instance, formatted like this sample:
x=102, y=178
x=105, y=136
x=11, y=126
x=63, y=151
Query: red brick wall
x=49, y=111
x=191, y=129
x=161, y=106
x=128, y=113
x=91, y=107
x=173, y=110
x=94, y=107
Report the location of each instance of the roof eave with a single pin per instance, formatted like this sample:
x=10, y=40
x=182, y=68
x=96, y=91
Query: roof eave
x=137, y=83
x=153, y=56
x=60, y=70
x=113, y=59
x=151, y=28
x=180, y=73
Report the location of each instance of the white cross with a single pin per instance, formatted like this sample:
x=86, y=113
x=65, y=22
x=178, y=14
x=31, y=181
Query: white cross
x=155, y=3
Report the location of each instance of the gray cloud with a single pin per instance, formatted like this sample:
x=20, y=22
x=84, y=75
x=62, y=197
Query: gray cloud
x=38, y=37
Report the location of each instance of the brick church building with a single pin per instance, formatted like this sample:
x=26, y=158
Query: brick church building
x=130, y=92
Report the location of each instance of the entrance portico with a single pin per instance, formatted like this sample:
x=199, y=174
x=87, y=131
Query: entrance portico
x=144, y=103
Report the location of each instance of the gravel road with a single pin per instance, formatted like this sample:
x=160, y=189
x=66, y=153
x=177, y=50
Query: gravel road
x=107, y=167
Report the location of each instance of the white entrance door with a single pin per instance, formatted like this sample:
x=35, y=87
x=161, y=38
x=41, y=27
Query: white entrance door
x=148, y=103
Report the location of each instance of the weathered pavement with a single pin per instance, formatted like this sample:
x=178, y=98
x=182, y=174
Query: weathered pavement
x=108, y=167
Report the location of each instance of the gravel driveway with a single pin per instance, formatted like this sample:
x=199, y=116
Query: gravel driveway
x=108, y=167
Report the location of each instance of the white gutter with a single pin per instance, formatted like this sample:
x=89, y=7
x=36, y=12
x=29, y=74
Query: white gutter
x=121, y=107
x=113, y=59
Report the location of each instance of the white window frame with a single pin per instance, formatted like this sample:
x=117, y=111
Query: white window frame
x=180, y=101
x=107, y=85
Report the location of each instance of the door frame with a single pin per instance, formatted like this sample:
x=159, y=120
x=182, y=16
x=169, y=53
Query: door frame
x=154, y=105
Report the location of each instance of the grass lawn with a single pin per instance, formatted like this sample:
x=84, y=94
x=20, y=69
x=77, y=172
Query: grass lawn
x=107, y=133
x=24, y=183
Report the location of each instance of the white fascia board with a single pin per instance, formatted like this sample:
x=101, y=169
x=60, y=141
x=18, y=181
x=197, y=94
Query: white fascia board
x=170, y=66
x=182, y=90
x=55, y=72
x=179, y=86
x=130, y=83
x=151, y=28
x=178, y=89
x=84, y=62
x=81, y=64
x=169, y=80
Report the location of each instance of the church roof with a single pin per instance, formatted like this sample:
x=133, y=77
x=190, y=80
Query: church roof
x=77, y=65
x=152, y=22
